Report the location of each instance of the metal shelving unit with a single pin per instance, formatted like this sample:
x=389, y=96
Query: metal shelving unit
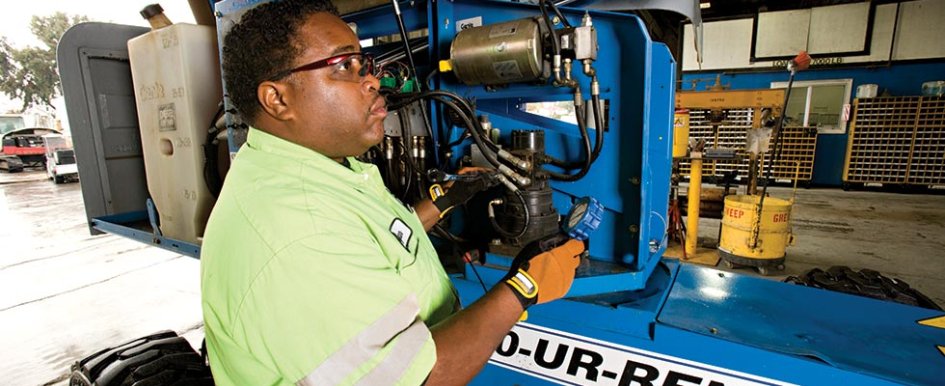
x=928, y=149
x=897, y=141
x=799, y=145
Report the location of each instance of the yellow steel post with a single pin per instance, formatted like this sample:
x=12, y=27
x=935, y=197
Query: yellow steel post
x=692, y=211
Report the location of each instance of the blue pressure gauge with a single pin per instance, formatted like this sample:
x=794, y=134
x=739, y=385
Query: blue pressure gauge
x=584, y=218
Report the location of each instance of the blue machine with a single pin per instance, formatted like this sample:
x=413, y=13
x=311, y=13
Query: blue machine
x=631, y=317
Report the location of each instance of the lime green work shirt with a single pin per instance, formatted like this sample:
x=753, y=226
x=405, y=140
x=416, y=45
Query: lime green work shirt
x=313, y=273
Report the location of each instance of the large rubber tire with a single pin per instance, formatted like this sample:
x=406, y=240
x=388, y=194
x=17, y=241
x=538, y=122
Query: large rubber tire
x=866, y=282
x=161, y=359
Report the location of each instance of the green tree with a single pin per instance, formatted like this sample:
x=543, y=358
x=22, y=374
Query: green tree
x=30, y=73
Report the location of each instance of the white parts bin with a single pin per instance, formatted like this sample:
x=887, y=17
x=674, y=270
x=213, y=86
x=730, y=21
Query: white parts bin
x=176, y=74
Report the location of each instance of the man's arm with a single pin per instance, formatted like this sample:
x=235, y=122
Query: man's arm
x=466, y=340
x=428, y=213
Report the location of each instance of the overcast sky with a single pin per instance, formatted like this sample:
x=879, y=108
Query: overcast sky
x=15, y=17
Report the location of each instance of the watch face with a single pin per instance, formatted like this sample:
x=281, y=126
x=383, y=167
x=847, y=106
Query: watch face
x=577, y=215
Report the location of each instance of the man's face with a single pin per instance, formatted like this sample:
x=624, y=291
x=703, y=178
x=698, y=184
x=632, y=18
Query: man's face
x=338, y=112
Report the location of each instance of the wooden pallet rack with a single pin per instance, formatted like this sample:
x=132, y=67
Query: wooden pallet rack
x=897, y=141
x=799, y=145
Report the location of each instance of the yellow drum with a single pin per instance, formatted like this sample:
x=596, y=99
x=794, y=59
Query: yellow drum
x=738, y=245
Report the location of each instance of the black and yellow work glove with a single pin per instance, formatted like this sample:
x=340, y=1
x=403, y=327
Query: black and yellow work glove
x=461, y=190
x=544, y=270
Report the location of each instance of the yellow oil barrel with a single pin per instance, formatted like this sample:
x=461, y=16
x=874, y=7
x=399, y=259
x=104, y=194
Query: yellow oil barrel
x=739, y=219
x=681, y=133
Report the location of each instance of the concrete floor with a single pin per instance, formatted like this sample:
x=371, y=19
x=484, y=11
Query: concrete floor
x=899, y=235
x=65, y=294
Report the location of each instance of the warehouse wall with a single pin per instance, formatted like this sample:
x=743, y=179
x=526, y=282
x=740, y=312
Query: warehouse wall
x=899, y=79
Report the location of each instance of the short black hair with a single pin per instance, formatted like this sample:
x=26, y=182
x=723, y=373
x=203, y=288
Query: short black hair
x=261, y=44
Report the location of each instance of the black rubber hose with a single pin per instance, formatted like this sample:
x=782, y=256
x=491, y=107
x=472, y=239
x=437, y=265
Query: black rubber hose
x=588, y=156
x=462, y=107
x=555, y=44
x=598, y=136
x=598, y=126
x=472, y=124
x=509, y=235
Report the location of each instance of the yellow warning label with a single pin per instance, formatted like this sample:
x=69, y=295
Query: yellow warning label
x=941, y=349
x=938, y=321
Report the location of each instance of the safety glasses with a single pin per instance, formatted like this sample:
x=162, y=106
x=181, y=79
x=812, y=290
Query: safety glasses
x=352, y=66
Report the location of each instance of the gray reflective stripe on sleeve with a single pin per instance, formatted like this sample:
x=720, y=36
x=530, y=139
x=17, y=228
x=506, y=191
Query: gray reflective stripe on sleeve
x=405, y=351
x=360, y=349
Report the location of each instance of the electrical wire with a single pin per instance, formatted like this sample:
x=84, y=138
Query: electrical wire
x=476, y=272
x=403, y=35
x=558, y=12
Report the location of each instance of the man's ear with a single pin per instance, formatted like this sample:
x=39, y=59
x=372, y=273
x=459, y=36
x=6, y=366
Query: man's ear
x=273, y=99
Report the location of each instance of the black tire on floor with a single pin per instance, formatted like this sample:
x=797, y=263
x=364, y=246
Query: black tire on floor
x=865, y=282
x=161, y=359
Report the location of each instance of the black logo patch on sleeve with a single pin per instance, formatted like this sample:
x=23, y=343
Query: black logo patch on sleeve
x=402, y=232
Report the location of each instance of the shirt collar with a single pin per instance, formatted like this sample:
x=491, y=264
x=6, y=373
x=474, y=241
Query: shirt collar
x=358, y=173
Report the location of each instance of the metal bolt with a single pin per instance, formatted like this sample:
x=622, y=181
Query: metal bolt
x=555, y=20
x=714, y=330
x=635, y=181
x=447, y=23
x=634, y=229
x=654, y=246
x=218, y=14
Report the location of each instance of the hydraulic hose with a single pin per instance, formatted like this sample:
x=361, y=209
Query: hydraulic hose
x=588, y=156
x=598, y=126
x=504, y=233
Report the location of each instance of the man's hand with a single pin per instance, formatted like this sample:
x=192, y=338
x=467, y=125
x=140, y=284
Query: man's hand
x=463, y=189
x=544, y=270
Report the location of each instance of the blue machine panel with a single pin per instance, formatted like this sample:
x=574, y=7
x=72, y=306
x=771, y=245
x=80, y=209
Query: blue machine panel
x=692, y=325
x=631, y=176
x=844, y=331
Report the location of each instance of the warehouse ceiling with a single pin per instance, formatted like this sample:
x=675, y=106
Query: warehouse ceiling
x=726, y=9
x=666, y=26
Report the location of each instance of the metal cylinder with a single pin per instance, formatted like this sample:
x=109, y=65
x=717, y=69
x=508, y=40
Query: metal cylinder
x=500, y=53
x=532, y=140
x=740, y=227
x=542, y=216
x=537, y=195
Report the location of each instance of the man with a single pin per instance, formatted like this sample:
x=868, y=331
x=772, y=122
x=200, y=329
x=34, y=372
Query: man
x=312, y=272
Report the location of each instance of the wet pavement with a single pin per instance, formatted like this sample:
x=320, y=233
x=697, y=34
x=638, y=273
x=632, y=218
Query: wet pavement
x=65, y=294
